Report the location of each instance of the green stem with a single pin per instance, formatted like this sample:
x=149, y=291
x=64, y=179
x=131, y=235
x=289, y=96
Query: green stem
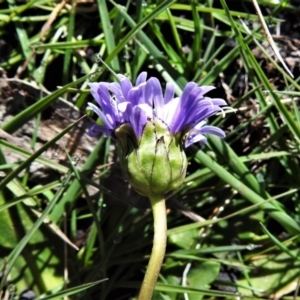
x=158, y=249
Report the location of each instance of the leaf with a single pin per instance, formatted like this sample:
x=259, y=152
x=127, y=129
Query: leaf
x=184, y=240
x=202, y=275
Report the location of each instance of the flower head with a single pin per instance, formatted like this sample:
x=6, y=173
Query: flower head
x=152, y=127
x=123, y=103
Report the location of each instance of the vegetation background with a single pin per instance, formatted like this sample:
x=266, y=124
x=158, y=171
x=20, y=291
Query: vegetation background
x=71, y=227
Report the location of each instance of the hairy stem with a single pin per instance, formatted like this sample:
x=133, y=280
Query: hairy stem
x=158, y=249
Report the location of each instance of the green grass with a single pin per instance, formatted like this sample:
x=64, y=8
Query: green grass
x=71, y=227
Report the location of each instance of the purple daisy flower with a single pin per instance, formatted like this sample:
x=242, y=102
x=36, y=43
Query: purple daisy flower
x=122, y=103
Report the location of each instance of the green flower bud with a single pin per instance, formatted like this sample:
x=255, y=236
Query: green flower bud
x=154, y=164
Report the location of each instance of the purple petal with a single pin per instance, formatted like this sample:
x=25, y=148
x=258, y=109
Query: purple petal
x=141, y=78
x=96, y=129
x=196, y=134
x=212, y=130
x=115, y=88
x=196, y=114
x=125, y=109
x=200, y=107
x=196, y=101
x=158, y=99
x=188, y=88
x=170, y=110
x=100, y=114
x=138, y=120
x=148, y=93
x=108, y=103
x=205, y=112
x=125, y=84
x=169, y=92
x=135, y=96
x=94, y=91
x=206, y=88
x=217, y=101
x=195, y=137
x=180, y=115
